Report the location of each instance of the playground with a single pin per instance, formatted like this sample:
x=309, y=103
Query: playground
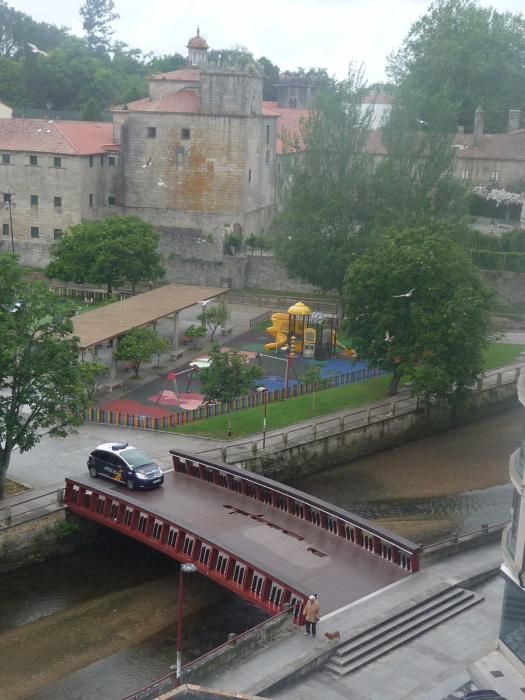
x=292, y=347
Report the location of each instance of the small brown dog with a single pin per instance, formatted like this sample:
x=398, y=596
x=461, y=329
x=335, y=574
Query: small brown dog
x=333, y=636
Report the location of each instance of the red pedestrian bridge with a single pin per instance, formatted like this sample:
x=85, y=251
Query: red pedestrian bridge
x=269, y=543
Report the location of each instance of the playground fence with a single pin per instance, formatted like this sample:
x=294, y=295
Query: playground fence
x=125, y=420
x=265, y=316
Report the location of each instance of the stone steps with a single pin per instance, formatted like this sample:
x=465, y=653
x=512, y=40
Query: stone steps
x=404, y=625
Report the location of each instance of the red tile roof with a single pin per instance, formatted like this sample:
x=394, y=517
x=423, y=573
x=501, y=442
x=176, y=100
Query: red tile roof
x=288, y=122
x=186, y=75
x=508, y=146
x=64, y=138
x=186, y=100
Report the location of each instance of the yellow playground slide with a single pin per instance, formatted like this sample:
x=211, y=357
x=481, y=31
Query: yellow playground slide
x=279, y=330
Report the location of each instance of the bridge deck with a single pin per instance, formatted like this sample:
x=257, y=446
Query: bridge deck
x=294, y=551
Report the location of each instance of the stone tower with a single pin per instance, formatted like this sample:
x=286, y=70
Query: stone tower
x=197, y=50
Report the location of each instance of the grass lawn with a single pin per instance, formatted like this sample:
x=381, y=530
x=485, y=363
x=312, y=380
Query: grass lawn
x=284, y=413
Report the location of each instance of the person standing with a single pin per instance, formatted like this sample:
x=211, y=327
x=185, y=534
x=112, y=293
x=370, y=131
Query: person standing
x=311, y=612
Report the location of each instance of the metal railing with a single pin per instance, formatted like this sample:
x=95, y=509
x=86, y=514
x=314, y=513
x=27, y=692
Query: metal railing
x=355, y=419
x=31, y=508
x=483, y=531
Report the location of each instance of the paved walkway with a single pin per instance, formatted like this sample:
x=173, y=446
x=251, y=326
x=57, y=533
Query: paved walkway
x=430, y=667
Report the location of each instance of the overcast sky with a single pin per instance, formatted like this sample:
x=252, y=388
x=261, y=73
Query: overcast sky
x=291, y=33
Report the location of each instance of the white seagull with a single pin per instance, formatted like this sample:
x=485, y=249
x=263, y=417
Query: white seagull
x=35, y=49
x=421, y=121
x=406, y=294
x=460, y=146
x=389, y=338
x=147, y=163
x=161, y=183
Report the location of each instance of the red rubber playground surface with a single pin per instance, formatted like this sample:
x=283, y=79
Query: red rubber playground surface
x=180, y=390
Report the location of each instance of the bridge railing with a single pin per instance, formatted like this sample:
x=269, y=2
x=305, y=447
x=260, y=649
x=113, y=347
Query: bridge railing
x=24, y=509
x=252, y=581
x=342, y=523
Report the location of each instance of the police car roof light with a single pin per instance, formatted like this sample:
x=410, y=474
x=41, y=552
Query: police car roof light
x=119, y=446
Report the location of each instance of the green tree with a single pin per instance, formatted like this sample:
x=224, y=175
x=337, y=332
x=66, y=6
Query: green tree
x=414, y=184
x=41, y=386
x=194, y=333
x=139, y=345
x=271, y=78
x=326, y=206
x=415, y=306
x=213, y=317
x=97, y=16
x=473, y=53
x=115, y=250
x=92, y=373
x=229, y=375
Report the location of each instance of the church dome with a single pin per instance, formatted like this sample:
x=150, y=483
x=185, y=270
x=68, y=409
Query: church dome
x=197, y=42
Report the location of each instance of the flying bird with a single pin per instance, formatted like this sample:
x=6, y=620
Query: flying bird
x=460, y=146
x=35, y=49
x=406, y=294
x=147, y=163
x=161, y=183
x=389, y=338
x=421, y=121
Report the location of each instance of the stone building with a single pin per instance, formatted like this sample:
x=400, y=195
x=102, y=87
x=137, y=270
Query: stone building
x=196, y=158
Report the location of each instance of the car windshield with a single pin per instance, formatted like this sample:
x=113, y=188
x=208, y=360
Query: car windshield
x=136, y=458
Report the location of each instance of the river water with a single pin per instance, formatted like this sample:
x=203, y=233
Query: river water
x=448, y=483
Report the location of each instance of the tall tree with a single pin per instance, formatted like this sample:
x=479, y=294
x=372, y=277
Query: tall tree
x=271, y=78
x=114, y=250
x=41, y=387
x=473, y=53
x=415, y=306
x=326, y=207
x=229, y=375
x=414, y=184
x=97, y=17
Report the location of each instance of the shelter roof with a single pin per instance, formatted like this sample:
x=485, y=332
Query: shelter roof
x=100, y=325
x=65, y=138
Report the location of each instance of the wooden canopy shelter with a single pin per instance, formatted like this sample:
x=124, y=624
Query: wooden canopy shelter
x=105, y=324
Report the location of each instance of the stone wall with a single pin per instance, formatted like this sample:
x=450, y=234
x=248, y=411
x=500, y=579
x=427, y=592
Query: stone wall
x=509, y=288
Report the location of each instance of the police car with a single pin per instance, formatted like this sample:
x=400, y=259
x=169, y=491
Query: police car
x=126, y=465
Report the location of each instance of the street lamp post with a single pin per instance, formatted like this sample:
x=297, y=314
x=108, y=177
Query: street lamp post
x=184, y=569
x=264, y=391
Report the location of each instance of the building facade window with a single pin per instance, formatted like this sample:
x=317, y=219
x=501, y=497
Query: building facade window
x=101, y=160
x=7, y=197
x=6, y=158
x=112, y=200
x=465, y=174
x=249, y=175
x=91, y=160
x=180, y=155
x=35, y=232
x=185, y=134
x=512, y=631
x=5, y=229
x=267, y=157
x=151, y=132
x=111, y=161
x=90, y=200
x=57, y=202
x=57, y=234
x=33, y=199
x=57, y=162
x=494, y=176
x=33, y=160
x=267, y=134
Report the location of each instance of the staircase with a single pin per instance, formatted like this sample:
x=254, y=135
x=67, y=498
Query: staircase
x=405, y=624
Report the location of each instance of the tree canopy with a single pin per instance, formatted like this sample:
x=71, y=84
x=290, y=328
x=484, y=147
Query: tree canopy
x=474, y=54
x=41, y=384
x=97, y=17
x=139, y=345
x=112, y=251
x=229, y=375
x=326, y=206
x=415, y=306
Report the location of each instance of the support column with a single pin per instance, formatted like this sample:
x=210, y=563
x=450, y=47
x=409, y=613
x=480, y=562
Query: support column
x=175, y=339
x=114, y=346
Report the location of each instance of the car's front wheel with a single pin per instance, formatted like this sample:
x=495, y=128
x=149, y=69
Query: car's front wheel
x=130, y=484
x=93, y=472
